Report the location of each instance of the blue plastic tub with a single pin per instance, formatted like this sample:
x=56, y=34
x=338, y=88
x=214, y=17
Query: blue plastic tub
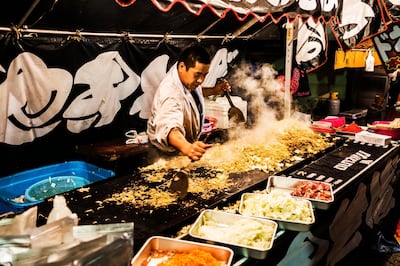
x=14, y=187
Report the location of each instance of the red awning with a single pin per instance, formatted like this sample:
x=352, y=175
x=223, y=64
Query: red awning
x=329, y=11
x=261, y=9
x=352, y=21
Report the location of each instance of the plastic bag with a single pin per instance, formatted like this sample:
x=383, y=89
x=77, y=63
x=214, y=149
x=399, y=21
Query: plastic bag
x=60, y=210
x=21, y=224
x=384, y=245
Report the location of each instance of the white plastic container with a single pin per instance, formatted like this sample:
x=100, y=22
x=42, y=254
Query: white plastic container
x=372, y=138
x=219, y=107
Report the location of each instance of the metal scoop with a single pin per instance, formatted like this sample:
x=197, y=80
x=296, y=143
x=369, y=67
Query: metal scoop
x=235, y=115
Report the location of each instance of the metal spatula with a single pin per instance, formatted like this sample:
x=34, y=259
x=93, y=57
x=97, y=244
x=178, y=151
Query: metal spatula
x=235, y=115
x=180, y=182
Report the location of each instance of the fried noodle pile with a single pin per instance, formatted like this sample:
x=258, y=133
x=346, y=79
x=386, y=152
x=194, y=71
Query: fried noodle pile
x=288, y=144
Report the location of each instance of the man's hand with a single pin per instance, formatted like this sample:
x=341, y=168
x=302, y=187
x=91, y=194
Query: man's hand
x=219, y=88
x=192, y=150
x=196, y=150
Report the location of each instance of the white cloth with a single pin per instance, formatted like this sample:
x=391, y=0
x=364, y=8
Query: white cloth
x=173, y=107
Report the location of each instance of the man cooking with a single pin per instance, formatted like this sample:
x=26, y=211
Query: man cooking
x=177, y=113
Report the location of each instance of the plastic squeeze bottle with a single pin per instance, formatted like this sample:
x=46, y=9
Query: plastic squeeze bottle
x=369, y=62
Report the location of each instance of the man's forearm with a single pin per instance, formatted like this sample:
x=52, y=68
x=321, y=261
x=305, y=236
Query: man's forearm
x=208, y=91
x=176, y=139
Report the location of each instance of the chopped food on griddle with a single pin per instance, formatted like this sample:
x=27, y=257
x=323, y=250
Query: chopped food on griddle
x=289, y=144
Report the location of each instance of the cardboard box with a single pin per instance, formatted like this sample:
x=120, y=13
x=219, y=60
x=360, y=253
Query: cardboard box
x=218, y=108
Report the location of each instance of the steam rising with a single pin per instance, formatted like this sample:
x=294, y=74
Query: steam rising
x=263, y=88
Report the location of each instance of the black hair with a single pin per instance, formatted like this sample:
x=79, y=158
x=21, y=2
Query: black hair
x=193, y=54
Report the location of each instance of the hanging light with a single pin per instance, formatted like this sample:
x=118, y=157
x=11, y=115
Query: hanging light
x=125, y=3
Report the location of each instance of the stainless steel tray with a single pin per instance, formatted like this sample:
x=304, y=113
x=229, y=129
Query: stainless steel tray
x=223, y=254
x=248, y=236
x=288, y=185
x=291, y=213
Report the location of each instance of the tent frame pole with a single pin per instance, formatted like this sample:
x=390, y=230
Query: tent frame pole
x=288, y=67
x=242, y=29
x=291, y=36
x=200, y=35
x=31, y=8
x=122, y=35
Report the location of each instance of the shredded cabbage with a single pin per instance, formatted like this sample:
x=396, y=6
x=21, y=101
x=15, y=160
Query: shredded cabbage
x=244, y=232
x=277, y=206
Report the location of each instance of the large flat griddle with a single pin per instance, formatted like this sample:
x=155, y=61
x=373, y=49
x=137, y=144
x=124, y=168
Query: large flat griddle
x=150, y=221
x=147, y=221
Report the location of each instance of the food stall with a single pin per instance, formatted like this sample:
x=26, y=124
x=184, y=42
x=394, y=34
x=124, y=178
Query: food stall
x=84, y=103
x=363, y=179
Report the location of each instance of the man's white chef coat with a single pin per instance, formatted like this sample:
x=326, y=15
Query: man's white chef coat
x=174, y=108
